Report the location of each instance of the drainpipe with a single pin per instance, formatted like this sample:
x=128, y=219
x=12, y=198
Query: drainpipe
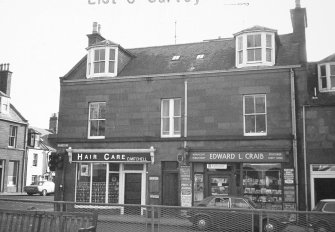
x=305, y=154
x=24, y=164
x=294, y=133
x=185, y=112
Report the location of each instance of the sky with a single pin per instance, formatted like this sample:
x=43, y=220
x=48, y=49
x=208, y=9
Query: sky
x=43, y=39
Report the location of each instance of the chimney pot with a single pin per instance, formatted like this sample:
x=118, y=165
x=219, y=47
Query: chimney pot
x=99, y=28
x=297, y=4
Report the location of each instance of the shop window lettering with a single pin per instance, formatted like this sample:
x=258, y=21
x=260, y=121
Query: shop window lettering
x=80, y=156
x=105, y=2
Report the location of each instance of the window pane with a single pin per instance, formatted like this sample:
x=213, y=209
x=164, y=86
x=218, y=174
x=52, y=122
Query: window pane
x=240, y=57
x=94, y=128
x=250, y=41
x=240, y=43
x=101, y=67
x=114, y=167
x=101, y=131
x=111, y=66
x=177, y=125
x=324, y=82
x=83, y=183
x=12, y=173
x=102, y=54
x=260, y=124
x=260, y=104
x=177, y=107
x=113, y=188
x=165, y=105
x=133, y=167
x=332, y=81
x=99, y=183
x=323, y=70
x=268, y=54
x=258, y=54
x=96, y=67
x=94, y=110
x=249, y=123
x=96, y=55
x=239, y=203
x=166, y=125
x=102, y=110
x=268, y=41
x=112, y=54
x=258, y=40
x=251, y=55
x=249, y=104
x=332, y=69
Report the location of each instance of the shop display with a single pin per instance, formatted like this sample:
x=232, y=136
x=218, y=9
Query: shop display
x=83, y=192
x=98, y=192
x=113, y=189
x=264, y=187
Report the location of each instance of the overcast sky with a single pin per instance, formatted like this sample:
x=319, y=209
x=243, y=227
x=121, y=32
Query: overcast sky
x=43, y=39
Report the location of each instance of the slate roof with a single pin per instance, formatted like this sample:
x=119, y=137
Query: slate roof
x=330, y=58
x=219, y=55
x=14, y=115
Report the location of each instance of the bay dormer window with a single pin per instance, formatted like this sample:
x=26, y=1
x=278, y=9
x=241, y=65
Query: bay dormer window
x=101, y=61
x=255, y=48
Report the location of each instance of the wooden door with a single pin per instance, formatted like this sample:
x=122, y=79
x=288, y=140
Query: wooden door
x=170, y=188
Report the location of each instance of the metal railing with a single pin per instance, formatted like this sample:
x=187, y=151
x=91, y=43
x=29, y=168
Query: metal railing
x=156, y=218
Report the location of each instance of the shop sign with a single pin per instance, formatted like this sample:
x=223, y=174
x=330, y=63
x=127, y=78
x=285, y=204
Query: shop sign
x=237, y=157
x=111, y=157
x=288, y=176
x=185, y=186
x=289, y=193
x=217, y=166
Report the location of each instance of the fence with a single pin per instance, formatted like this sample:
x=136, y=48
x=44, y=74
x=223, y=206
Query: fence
x=152, y=218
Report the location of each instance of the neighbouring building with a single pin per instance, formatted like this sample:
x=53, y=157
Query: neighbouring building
x=173, y=124
x=38, y=153
x=13, y=133
x=317, y=113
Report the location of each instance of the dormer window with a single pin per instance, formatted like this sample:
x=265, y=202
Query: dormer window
x=326, y=76
x=4, y=105
x=255, y=49
x=101, y=62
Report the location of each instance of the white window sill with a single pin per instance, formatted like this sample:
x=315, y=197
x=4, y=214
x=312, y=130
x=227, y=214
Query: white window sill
x=96, y=137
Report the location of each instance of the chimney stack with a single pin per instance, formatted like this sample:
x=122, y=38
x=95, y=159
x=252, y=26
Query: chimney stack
x=95, y=37
x=5, y=79
x=299, y=23
x=53, y=123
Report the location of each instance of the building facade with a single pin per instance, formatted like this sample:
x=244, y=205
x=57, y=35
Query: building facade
x=317, y=112
x=38, y=153
x=174, y=124
x=13, y=128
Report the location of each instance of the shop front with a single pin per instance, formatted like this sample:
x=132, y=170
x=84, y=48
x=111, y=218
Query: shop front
x=116, y=176
x=264, y=177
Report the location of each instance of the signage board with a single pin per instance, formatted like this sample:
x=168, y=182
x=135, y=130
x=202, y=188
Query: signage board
x=111, y=157
x=237, y=156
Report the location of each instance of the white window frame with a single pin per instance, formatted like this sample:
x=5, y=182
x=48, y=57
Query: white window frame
x=242, y=49
x=90, y=62
x=328, y=77
x=12, y=136
x=171, y=116
x=254, y=113
x=95, y=119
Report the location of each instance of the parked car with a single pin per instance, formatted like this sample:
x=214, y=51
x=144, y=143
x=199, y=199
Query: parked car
x=233, y=213
x=41, y=187
x=323, y=217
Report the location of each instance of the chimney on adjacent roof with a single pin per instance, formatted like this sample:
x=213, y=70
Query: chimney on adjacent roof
x=95, y=37
x=53, y=123
x=5, y=79
x=299, y=23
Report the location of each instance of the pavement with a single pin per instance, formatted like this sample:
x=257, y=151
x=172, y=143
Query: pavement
x=13, y=194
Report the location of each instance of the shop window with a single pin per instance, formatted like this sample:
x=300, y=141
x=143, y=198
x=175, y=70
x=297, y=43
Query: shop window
x=254, y=115
x=198, y=187
x=262, y=183
x=12, y=173
x=96, y=121
x=83, y=183
x=99, y=183
x=171, y=117
x=12, y=136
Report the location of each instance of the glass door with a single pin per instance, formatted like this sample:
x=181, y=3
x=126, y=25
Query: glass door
x=219, y=184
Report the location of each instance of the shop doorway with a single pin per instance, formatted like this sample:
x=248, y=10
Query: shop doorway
x=219, y=184
x=132, y=193
x=324, y=188
x=170, y=196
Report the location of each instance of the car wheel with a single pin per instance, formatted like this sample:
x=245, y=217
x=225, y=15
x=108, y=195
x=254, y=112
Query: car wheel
x=44, y=192
x=270, y=226
x=322, y=228
x=202, y=223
